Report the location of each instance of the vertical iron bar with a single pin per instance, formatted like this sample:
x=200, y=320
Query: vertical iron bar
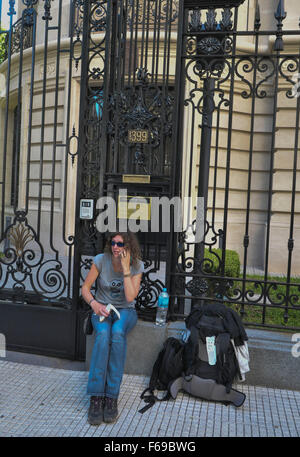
x=270, y=191
x=16, y=159
x=164, y=89
x=106, y=95
x=147, y=35
x=203, y=177
x=231, y=95
x=55, y=128
x=46, y=18
x=118, y=83
x=177, y=147
x=83, y=108
x=158, y=43
x=293, y=201
x=10, y=13
x=168, y=158
x=112, y=77
x=246, y=236
x=127, y=65
x=153, y=43
x=169, y=46
x=143, y=36
x=131, y=42
x=31, y=96
x=70, y=240
x=206, y=133
x=191, y=158
x=124, y=20
x=135, y=57
x=119, y=48
x=214, y=196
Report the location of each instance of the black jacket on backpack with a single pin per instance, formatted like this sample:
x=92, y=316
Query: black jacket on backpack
x=232, y=322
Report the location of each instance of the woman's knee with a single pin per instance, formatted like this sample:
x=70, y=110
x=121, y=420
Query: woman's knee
x=102, y=329
x=118, y=335
x=102, y=333
x=126, y=323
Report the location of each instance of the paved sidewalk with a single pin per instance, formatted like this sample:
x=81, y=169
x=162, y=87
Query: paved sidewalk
x=38, y=401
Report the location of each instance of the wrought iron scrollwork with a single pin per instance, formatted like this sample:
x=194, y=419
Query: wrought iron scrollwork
x=25, y=266
x=47, y=11
x=149, y=291
x=21, y=33
x=208, y=46
x=141, y=107
x=289, y=69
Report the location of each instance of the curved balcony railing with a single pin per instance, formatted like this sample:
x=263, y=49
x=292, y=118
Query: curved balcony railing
x=21, y=38
x=22, y=33
x=135, y=14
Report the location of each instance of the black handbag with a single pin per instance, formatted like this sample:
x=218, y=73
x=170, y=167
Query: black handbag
x=87, y=323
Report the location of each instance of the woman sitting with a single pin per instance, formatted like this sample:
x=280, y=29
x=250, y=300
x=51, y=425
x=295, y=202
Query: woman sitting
x=118, y=272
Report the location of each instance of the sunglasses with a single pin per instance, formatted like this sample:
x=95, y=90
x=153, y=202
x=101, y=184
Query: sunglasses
x=118, y=243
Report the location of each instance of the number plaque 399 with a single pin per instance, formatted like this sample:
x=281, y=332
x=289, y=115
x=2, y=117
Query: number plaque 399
x=138, y=136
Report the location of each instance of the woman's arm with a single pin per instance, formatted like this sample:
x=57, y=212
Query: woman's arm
x=97, y=307
x=132, y=286
x=131, y=283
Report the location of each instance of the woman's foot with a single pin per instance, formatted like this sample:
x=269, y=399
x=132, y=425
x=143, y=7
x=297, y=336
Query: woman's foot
x=110, y=413
x=95, y=414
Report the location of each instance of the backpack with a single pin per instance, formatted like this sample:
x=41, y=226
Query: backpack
x=167, y=367
x=222, y=323
x=179, y=362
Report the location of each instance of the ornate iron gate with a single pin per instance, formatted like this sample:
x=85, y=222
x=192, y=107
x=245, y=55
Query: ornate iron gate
x=127, y=122
x=90, y=106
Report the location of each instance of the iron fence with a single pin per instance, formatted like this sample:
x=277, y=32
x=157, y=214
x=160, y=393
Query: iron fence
x=218, y=71
x=219, y=109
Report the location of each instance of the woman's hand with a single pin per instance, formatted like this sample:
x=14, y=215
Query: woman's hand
x=125, y=261
x=99, y=309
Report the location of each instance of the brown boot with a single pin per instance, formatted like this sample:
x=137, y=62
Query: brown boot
x=95, y=414
x=110, y=413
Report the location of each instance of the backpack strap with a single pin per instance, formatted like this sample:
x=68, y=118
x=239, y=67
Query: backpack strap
x=155, y=370
x=151, y=399
x=191, y=351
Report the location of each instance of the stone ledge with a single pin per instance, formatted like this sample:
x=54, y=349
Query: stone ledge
x=271, y=361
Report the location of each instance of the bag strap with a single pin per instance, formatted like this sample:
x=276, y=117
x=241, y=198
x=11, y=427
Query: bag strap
x=155, y=370
x=151, y=399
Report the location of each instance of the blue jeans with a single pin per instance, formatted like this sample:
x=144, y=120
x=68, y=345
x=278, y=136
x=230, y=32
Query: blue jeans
x=109, y=352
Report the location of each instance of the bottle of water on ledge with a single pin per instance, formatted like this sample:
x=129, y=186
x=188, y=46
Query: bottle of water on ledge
x=162, y=308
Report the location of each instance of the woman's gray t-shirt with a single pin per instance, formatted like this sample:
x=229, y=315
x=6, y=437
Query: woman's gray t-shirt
x=110, y=285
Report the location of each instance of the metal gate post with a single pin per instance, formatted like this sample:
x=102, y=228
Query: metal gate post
x=81, y=146
x=206, y=130
x=210, y=69
x=208, y=109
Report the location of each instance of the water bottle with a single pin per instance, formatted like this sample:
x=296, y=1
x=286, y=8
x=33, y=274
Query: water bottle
x=162, y=308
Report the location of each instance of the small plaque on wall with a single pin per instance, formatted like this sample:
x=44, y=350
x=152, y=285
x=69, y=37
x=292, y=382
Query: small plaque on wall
x=139, y=179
